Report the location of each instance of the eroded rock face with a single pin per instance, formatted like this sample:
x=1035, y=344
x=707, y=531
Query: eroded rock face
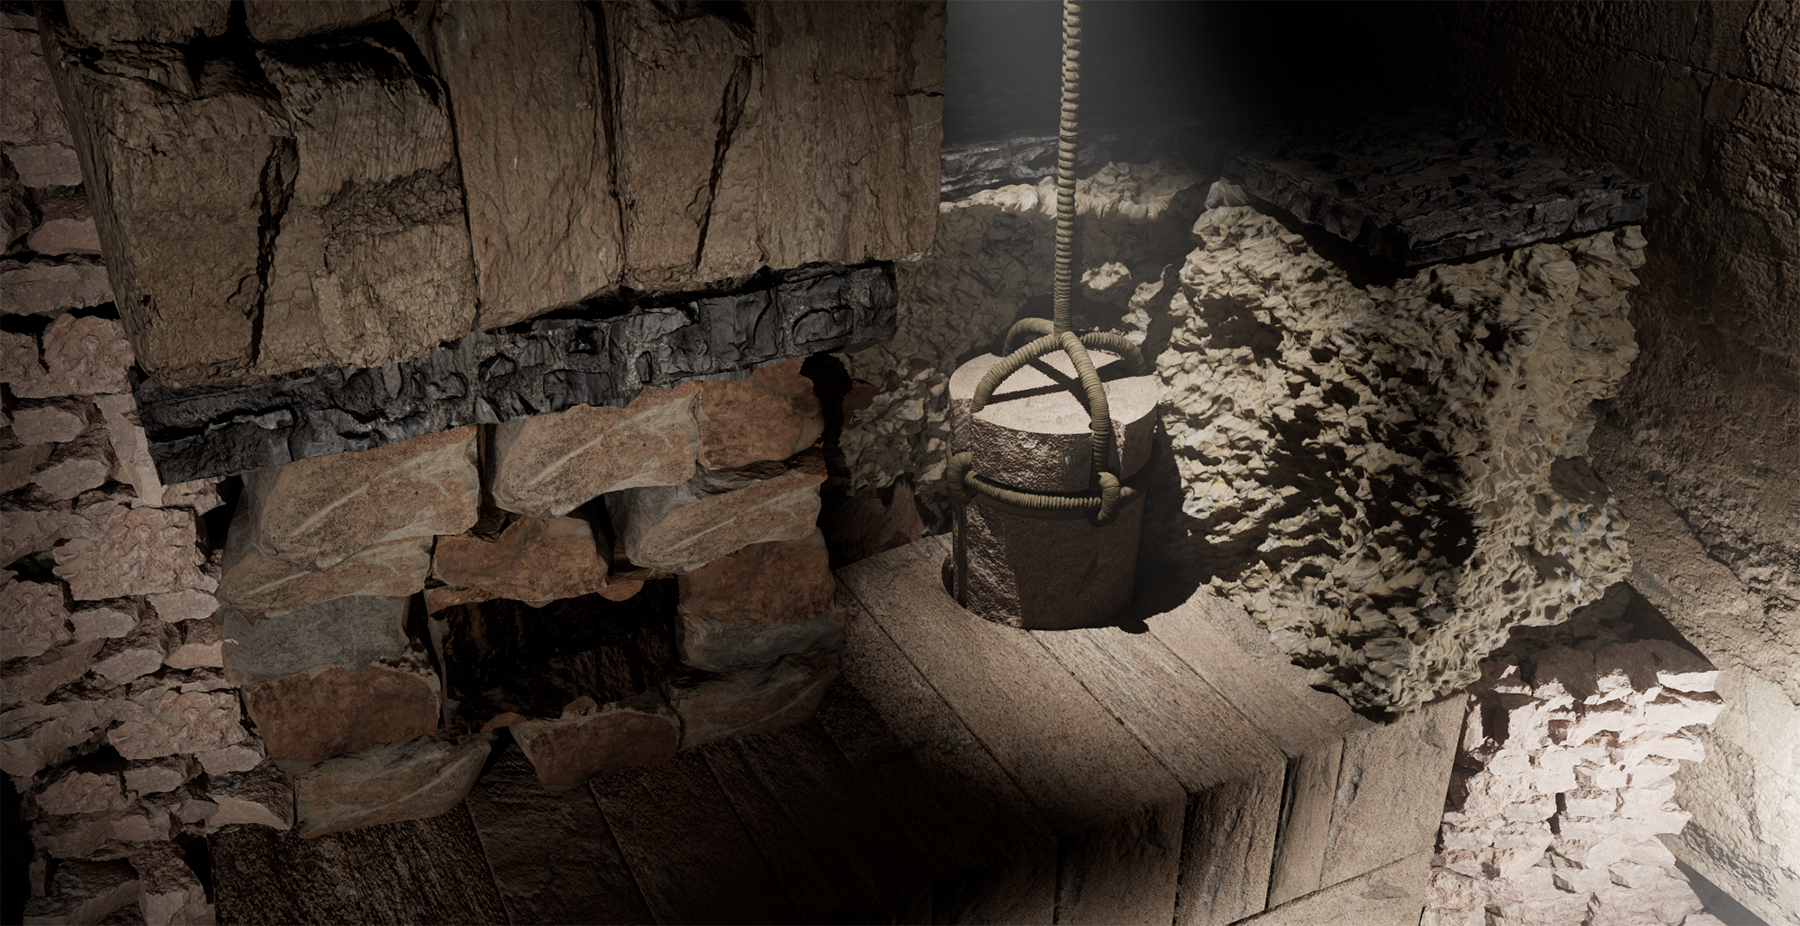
x=1390, y=477
x=389, y=783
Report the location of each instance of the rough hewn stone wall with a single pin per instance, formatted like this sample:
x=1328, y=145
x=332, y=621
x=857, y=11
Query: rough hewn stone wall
x=1703, y=101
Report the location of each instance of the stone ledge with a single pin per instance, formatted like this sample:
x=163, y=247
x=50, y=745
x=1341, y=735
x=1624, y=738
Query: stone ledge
x=599, y=353
x=1421, y=187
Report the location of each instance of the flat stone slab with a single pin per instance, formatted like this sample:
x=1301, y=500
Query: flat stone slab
x=601, y=352
x=1422, y=187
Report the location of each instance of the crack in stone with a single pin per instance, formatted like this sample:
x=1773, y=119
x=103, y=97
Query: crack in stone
x=276, y=194
x=731, y=112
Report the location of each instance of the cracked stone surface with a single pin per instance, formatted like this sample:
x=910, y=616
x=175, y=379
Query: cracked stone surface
x=1391, y=477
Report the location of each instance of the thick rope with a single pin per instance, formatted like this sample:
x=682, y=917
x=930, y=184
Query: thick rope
x=1105, y=494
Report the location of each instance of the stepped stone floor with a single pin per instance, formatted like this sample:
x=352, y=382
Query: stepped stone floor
x=1175, y=771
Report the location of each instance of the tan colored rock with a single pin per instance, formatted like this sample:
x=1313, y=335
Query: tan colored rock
x=29, y=680
x=260, y=797
x=186, y=605
x=758, y=699
x=546, y=466
x=175, y=21
x=65, y=236
x=51, y=165
x=83, y=892
x=36, y=733
x=197, y=645
x=136, y=654
x=35, y=528
x=315, y=513
x=156, y=776
x=415, y=780
x=532, y=560
x=169, y=893
x=104, y=622
x=758, y=604
x=170, y=721
x=200, y=495
x=771, y=415
x=255, y=584
x=132, y=464
x=241, y=757
x=141, y=551
x=530, y=99
x=107, y=834
x=79, y=792
x=81, y=356
x=33, y=618
x=283, y=20
x=348, y=633
x=53, y=422
x=589, y=740
x=30, y=113
x=17, y=463
x=75, y=467
x=716, y=513
x=311, y=716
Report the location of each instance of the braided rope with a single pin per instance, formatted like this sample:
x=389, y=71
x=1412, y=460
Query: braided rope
x=1105, y=493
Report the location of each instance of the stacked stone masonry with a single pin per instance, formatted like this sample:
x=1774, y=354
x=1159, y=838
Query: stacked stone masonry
x=118, y=726
x=508, y=161
x=1563, y=784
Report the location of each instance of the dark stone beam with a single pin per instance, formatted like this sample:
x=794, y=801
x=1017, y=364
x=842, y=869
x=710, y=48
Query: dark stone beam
x=598, y=353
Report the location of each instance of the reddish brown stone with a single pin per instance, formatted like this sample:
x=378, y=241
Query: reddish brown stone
x=108, y=834
x=307, y=718
x=239, y=758
x=548, y=465
x=18, y=462
x=532, y=561
x=348, y=633
x=33, y=618
x=185, y=605
x=587, y=740
x=389, y=783
x=771, y=415
x=36, y=733
x=133, y=552
x=758, y=604
x=681, y=528
x=755, y=699
x=315, y=513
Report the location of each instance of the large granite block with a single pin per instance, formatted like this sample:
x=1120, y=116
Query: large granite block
x=1420, y=187
x=600, y=353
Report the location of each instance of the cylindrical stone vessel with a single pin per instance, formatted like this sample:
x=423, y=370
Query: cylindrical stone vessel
x=1046, y=573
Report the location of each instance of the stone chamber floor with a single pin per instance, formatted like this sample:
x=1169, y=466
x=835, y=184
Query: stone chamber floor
x=1173, y=770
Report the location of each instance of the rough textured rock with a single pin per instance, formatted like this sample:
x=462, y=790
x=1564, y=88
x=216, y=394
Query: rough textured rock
x=74, y=467
x=103, y=622
x=548, y=465
x=83, y=892
x=147, y=21
x=716, y=513
x=1421, y=188
x=530, y=105
x=401, y=781
x=52, y=422
x=531, y=560
x=283, y=20
x=169, y=891
x=315, y=513
x=261, y=796
x=754, y=699
x=29, y=111
x=589, y=739
x=753, y=606
x=990, y=264
x=1028, y=159
x=256, y=584
x=25, y=681
x=770, y=415
x=53, y=165
x=130, y=449
x=133, y=551
x=183, y=719
x=310, y=716
x=601, y=353
x=345, y=632
x=136, y=654
x=185, y=605
x=43, y=288
x=1431, y=435
x=33, y=618
x=77, y=355
x=155, y=776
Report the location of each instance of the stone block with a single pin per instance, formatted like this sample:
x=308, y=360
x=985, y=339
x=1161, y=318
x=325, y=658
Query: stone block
x=51, y=422
x=755, y=699
x=65, y=236
x=310, y=716
x=532, y=560
x=128, y=658
x=770, y=415
x=348, y=633
x=169, y=892
x=36, y=732
x=25, y=681
x=104, y=622
x=30, y=113
x=531, y=101
x=81, y=355
x=285, y=20
x=546, y=466
x=195, y=645
x=34, y=618
x=166, y=721
x=240, y=757
x=74, y=467
x=73, y=791
x=141, y=551
x=156, y=776
x=387, y=784
x=256, y=584
x=189, y=604
x=149, y=20
x=681, y=528
x=589, y=739
x=50, y=165
x=83, y=892
x=17, y=463
x=315, y=513
x=261, y=796
x=758, y=604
